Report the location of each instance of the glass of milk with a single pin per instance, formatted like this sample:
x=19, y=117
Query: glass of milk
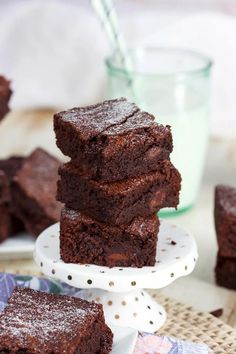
x=173, y=84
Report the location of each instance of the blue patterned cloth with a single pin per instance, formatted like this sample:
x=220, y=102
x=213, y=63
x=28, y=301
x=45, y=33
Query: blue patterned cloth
x=146, y=343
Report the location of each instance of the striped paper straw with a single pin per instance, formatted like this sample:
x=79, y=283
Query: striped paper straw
x=108, y=17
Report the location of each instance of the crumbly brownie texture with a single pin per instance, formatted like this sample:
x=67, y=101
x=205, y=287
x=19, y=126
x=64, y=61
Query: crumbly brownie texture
x=225, y=272
x=39, y=323
x=5, y=94
x=225, y=220
x=119, y=202
x=113, y=140
x=34, y=192
x=85, y=240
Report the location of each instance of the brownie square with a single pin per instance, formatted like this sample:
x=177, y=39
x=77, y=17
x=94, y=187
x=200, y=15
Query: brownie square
x=225, y=272
x=119, y=202
x=34, y=192
x=5, y=94
x=35, y=322
x=225, y=220
x=113, y=140
x=86, y=240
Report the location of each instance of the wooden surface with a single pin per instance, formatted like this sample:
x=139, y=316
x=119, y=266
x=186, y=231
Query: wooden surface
x=21, y=132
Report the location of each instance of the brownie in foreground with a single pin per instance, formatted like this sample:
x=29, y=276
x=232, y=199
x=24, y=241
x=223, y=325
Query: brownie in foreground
x=226, y=272
x=5, y=95
x=39, y=323
x=34, y=191
x=119, y=202
x=225, y=220
x=85, y=240
x=112, y=140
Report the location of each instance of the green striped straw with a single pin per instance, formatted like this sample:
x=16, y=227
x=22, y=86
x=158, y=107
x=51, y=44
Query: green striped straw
x=108, y=17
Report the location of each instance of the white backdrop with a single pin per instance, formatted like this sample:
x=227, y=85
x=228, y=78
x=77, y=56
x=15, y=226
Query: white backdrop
x=54, y=50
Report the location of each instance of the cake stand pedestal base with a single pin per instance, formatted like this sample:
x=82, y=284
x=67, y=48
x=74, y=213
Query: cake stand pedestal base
x=134, y=309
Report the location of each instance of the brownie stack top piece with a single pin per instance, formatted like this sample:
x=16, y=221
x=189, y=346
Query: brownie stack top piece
x=113, y=140
x=39, y=323
x=5, y=94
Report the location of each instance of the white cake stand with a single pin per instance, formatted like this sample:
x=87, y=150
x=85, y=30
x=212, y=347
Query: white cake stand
x=120, y=290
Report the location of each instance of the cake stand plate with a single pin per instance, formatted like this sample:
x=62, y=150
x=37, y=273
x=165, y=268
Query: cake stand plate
x=120, y=289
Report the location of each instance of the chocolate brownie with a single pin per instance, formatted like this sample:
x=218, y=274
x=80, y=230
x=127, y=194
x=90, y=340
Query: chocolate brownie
x=225, y=272
x=38, y=323
x=113, y=140
x=225, y=220
x=5, y=219
x=5, y=94
x=119, y=202
x=34, y=192
x=86, y=240
x=10, y=166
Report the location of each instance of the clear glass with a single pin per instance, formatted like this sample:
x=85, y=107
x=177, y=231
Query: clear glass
x=172, y=84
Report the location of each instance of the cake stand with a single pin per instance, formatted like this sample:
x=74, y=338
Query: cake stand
x=120, y=290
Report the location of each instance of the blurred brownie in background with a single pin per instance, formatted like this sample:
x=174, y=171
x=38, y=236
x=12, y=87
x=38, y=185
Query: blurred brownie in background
x=5, y=94
x=225, y=225
x=226, y=272
x=9, y=223
x=34, y=191
x=5, y=219
x=225, y=220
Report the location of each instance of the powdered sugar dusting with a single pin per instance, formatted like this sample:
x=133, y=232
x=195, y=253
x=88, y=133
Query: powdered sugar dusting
x=95, y=119
x=45, y=318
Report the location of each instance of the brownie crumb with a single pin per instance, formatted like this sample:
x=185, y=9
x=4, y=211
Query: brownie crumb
x=217, y=313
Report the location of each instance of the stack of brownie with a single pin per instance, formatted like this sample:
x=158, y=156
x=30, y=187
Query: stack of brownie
x=119, y=176
x=225, y=224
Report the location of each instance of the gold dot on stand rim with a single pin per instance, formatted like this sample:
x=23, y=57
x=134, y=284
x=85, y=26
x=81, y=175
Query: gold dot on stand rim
x=117, y=317
x=97, y=299
x=109, y=303
x=123, y=303
x=111, y=283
